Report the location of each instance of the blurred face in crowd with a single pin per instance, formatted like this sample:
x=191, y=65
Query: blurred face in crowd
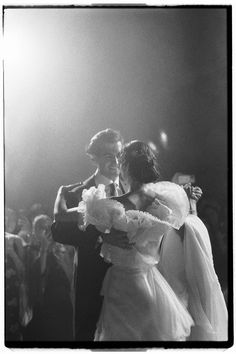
x=35, y=210
x=23, y=222
x=43, y=232
x=10, y=220
x=108, y=160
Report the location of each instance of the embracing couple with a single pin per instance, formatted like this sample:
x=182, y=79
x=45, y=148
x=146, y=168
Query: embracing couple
x=143, y=268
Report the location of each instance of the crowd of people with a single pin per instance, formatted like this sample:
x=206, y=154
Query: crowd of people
x=54, y=273
x=38, y=279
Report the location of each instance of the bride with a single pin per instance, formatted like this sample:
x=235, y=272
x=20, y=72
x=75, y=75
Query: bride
x=139, y=304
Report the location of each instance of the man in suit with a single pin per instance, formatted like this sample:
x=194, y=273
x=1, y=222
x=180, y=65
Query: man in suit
x=89, y=268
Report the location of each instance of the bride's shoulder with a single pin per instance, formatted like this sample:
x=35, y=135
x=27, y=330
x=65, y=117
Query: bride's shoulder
x=165, y=189
x=170, y=201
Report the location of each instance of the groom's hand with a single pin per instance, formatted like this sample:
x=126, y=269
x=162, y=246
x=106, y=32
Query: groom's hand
x=117, y=238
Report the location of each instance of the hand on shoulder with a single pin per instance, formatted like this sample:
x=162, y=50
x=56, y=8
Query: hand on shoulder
x=64, y=189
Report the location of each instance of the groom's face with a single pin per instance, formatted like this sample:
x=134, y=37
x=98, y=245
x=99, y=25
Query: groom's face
x=108, y=160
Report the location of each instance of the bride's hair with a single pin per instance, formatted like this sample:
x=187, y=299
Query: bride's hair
x=141, y=162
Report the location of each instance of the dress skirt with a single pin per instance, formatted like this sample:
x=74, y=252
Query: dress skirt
x=139, y=305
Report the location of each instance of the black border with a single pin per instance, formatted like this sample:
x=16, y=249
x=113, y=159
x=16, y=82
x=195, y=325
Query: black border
x=144, y=345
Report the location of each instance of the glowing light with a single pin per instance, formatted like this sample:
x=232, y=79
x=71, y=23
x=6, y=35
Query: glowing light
x=164, y=137
x=23, y=53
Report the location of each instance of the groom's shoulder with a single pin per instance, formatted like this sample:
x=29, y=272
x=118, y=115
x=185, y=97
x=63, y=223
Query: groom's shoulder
x=74, y=195
x=89, y=182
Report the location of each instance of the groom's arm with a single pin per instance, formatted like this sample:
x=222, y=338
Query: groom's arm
x=68, y=232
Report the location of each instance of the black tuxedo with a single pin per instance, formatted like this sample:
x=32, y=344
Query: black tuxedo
x=89, y=268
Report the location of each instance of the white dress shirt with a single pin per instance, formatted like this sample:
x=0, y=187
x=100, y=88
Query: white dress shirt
x=100, y=179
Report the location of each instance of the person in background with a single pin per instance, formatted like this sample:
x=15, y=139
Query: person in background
x=14, y=278
x=24, y=226
x=49, y=290
x=65, y=256
x=214, y=218
x=10, y=220
x=35, y=210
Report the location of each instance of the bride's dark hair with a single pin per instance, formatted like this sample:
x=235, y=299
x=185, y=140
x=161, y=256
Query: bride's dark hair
x=141, y=162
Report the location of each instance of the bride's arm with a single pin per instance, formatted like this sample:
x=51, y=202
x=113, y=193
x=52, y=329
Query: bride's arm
x=61, y=212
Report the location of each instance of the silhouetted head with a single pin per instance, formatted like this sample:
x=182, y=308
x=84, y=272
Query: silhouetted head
x=138, y=163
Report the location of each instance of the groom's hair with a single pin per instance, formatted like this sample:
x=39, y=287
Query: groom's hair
x=141, y=162
x=97, y=142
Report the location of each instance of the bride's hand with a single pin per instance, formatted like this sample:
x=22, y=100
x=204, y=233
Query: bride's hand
x=117, y=238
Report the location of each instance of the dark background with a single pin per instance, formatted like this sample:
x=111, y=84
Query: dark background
x=69, y=73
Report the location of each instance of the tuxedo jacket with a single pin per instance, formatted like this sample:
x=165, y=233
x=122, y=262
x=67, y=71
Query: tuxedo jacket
x=68, y=232
x=89, y=266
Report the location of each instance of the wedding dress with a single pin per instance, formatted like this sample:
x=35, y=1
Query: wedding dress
x=188, y=267
x=139, y=304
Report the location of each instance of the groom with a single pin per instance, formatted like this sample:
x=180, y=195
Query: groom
x=104, y=150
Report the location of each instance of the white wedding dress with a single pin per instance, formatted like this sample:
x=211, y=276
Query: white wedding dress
x=139, y=304
x=188, y=267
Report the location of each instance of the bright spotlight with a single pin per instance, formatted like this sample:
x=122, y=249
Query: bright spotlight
x=164, y=139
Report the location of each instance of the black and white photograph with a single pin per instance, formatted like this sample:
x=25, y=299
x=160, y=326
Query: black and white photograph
x=117, y=141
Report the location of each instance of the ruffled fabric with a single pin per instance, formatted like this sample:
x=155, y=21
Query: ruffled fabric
x=206, y=300
x=171, y=202
x=188, y=267
x=170, y=206
x=99, y=211
x=145, y=229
